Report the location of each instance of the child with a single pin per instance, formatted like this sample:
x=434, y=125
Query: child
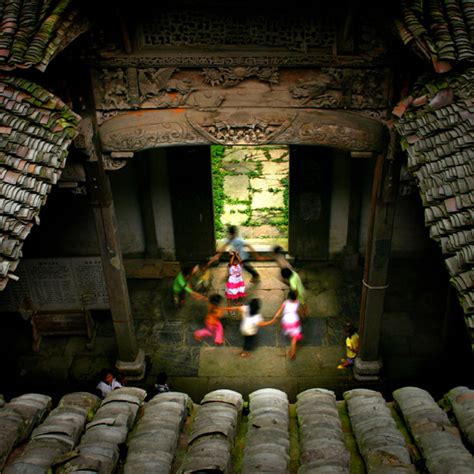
x=251, y=320
x=201, y=277
x=240, y=246
x=215, y=312
x=161, y=386
x=235, y=286
x=294, y=280
x=181, y=287
x=290, y=321
x=107, y=383
x=352, y=346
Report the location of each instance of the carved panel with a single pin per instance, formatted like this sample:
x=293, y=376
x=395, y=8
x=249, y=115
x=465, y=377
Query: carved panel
x=241, y=128
x=149, y=136
x=111, y=164
x=339, y=136
x=129, y=88
x=228, y=77
x=226, y=28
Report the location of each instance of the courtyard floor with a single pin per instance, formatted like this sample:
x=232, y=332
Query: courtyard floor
x=410, y=343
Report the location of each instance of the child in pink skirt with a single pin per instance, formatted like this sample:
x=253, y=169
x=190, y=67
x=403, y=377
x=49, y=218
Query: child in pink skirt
x=290, y=321
x=235, y=286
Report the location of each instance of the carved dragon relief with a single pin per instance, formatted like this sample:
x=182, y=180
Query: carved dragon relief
x=240, y=128
x=155, y=86
x=231, y=76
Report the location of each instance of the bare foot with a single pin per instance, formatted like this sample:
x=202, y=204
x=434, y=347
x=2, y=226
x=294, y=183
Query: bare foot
x=245, y=355
x=292, y=355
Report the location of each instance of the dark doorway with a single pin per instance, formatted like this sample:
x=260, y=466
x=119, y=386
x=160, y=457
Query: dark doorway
x=190, y=180
x=310, y=202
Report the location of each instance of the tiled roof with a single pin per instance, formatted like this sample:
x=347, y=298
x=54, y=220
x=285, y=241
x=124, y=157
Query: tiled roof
x=439, y=32
x=436, y=124
x=170, y=433
x=33, y=32
x=36, y=129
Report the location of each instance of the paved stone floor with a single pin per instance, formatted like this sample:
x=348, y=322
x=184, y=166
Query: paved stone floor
x=410, y=345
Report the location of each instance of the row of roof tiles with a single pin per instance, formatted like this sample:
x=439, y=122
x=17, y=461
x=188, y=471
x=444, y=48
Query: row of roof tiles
x=169, y=433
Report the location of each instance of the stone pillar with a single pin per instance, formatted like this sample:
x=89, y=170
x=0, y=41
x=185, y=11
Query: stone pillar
x=377, y=258
x=131, y=360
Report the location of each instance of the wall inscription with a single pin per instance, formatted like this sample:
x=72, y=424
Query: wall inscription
x=57, y=284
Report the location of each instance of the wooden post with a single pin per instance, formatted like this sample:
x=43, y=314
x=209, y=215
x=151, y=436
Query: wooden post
x=131, y=361
x=377, y=258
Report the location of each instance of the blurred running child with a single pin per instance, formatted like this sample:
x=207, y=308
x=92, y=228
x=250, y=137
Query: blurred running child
x=235, y=286
x=213, y=326
x=251, y=321
x=290, y=321
x=181, y=286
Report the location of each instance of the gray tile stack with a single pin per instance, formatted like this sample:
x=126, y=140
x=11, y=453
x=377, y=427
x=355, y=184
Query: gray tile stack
x=381, y=444
x=439, y=32
x=437, y=129
x=36, y=129
x=437, y=439
x=213, y=433
x=59, y=433
x=438, y=135
x=33, y=32
x=461, y=400
x=98, y=450
x=268, y=439
x=18, y=418
x=323, y=449
x=152, y=446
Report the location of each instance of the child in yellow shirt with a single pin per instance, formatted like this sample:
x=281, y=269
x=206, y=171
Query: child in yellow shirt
x=352, y=346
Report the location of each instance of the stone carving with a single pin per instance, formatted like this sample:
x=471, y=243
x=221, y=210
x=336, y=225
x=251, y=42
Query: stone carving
x=141, y=138
x=231, y=76
x=369, y=88
x=115, y=89
x=240, y=128
x=154, y=84
x=205, y=99
x=378, y=114
x=84, y=139
x=337, y=136
x=111, y=164
x=131, y=89
x=103, y=115
x=321, y=91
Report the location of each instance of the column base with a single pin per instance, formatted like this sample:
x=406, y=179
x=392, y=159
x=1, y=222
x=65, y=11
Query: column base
x=134, y=370
x=367, y=370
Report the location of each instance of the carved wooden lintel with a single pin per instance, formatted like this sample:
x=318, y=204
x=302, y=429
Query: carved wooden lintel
x=155, y=128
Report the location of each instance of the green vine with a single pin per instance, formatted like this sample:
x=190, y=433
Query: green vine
x=218, y=175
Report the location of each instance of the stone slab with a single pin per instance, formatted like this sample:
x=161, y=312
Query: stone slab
x=236, y=187
x=310, y=361
x=226, y=362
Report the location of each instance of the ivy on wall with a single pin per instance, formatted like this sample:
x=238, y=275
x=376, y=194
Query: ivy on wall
x=223, y=166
